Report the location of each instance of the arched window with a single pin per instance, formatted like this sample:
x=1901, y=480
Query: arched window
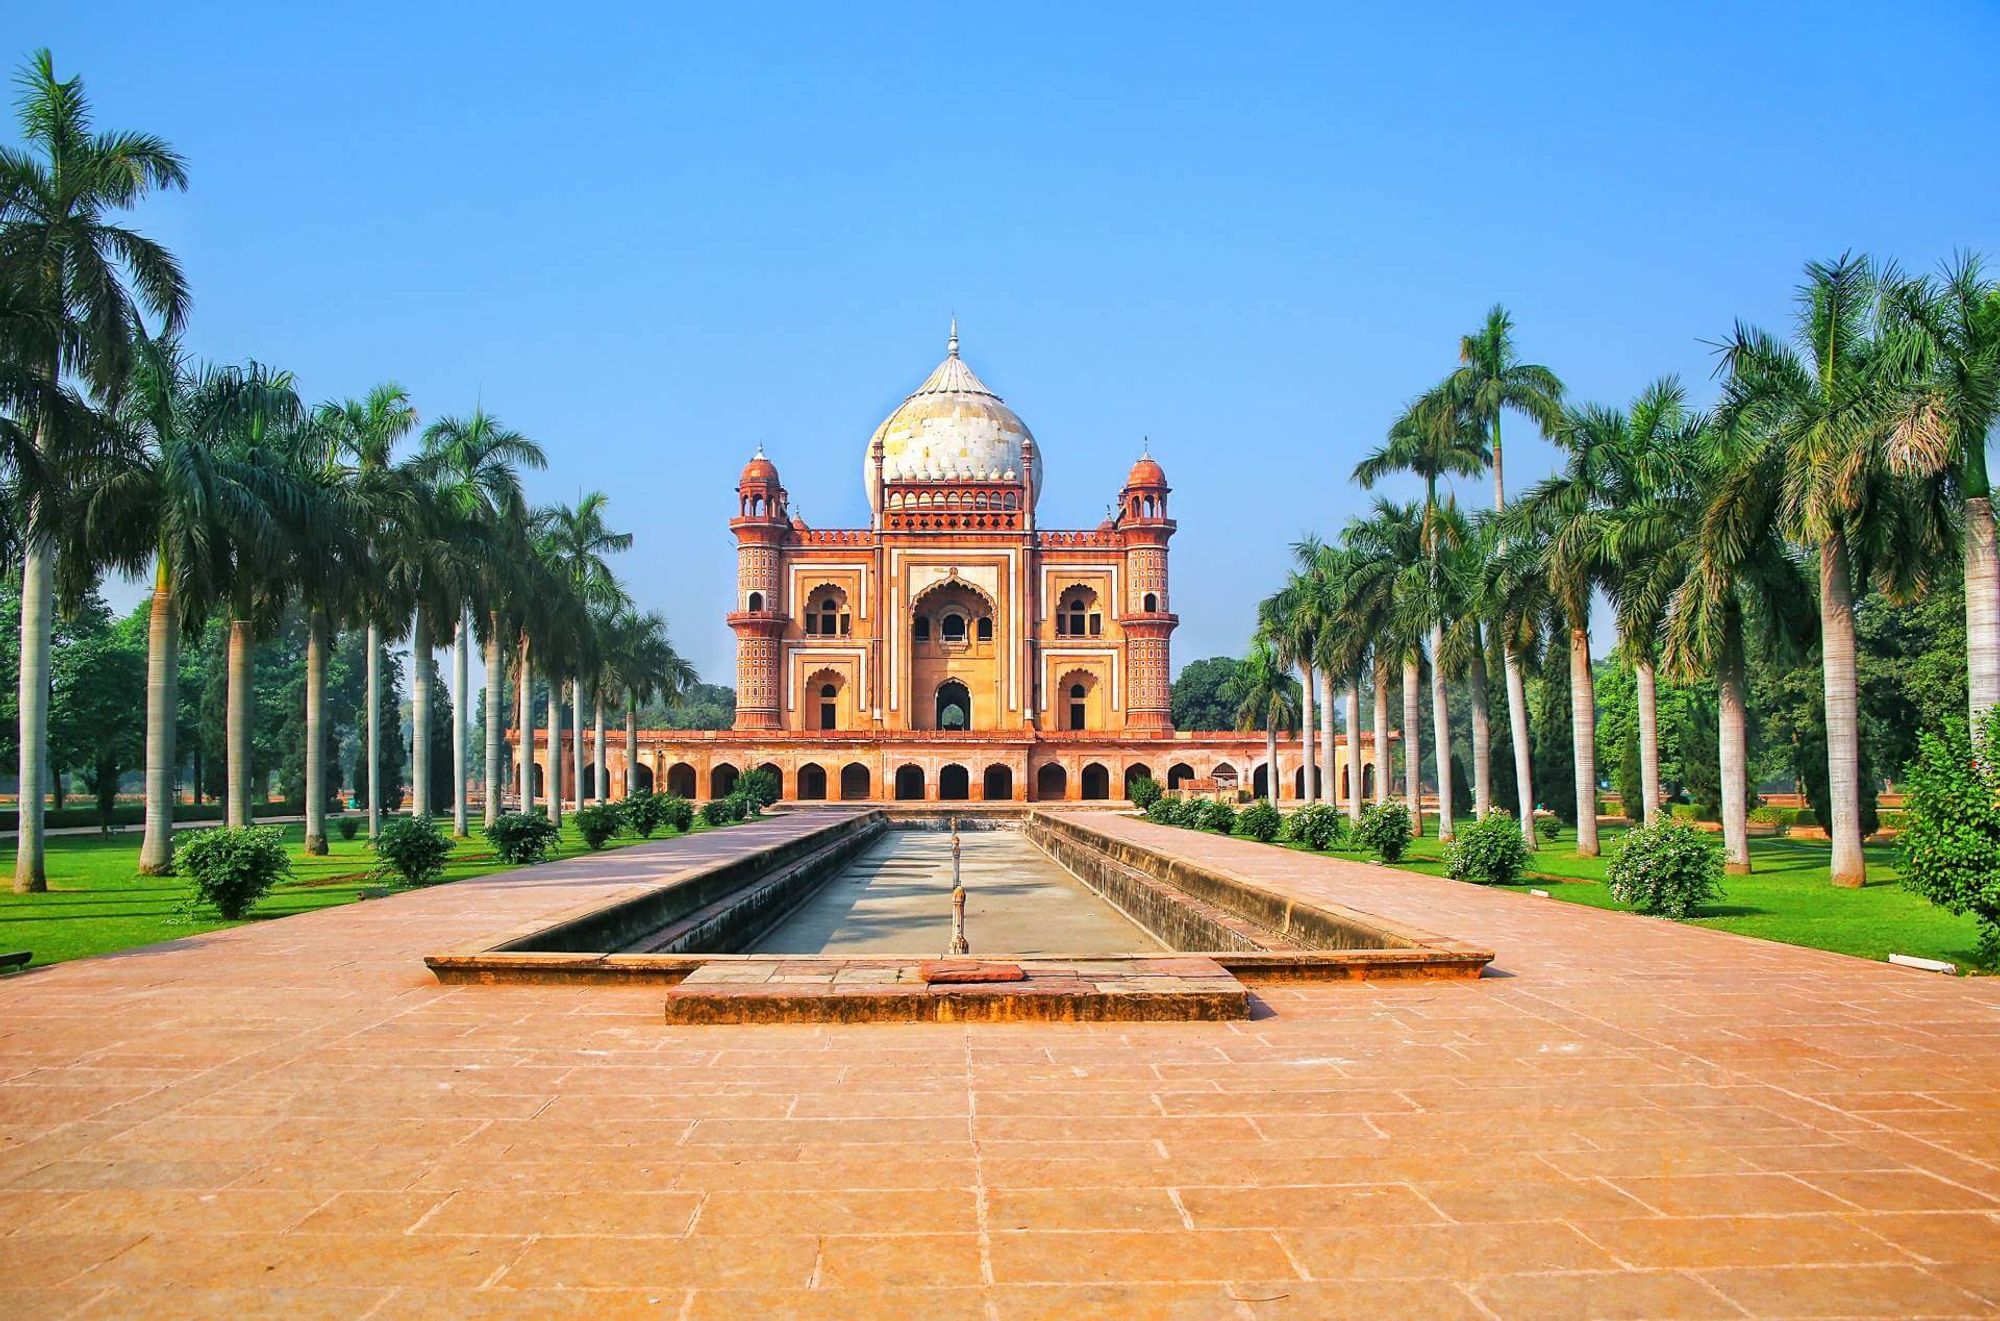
x=952, y=627
x=1078, y=708
x=826, y=613
x=829, y=707
x=1151, y=604
x=954, y=705
x=986, y=628
x=756, y=601
x=920, y=628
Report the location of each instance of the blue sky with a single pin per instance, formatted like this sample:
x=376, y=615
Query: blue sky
x=656, y=237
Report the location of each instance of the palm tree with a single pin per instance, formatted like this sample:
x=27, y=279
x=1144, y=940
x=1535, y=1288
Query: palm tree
x=1564, y=520
x=1268, y=699
x=580, y=539
x=473, y=466
x=1394, y=595
x=1435, y=438
x=175, y=508
x=1812, y=423
x=88, y=283
x=642, y=665
x=1945, y=402
x=1649, y=540
x=1491, y=379
x=1288, y=620
x=365, y=433
x=1460, y=651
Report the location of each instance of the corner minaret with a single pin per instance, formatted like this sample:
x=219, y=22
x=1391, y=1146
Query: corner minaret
x=1147, y=621
x=761, y=525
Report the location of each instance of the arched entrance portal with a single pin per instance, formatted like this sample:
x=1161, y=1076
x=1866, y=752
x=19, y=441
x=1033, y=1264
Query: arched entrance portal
x=998, y=786
x=812, y=783
x=1134, y=773
x=721, y=781
x=954, y=784
x=680, y=780
x=639, y=779
x=1179, y=774
x=854, y=782
x=909, y=783
x=1051, y=783
x=954, y=705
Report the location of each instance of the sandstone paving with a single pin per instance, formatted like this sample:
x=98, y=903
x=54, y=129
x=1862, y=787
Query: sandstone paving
x=1626, y=1117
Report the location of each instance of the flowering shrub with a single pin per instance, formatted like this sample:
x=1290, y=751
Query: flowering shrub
x=1318, y=826
x=1950, y=838
x=1260, y=821
x=1384, y=830
x=1669, y=869
x=1489, y=851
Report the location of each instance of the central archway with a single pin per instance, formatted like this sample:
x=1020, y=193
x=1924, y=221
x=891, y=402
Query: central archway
x=1051, y=783
x=812, y=783
x=909, y=783
x=954, y=784
x=954, y=705
x=680, y=780
x=998, y=784
x=1095, y=782
x=854, y=783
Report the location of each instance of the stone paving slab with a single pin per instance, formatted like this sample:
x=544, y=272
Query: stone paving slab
x=1628, y=1117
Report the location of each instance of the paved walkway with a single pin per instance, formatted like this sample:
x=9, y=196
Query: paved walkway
x=1633, y=1118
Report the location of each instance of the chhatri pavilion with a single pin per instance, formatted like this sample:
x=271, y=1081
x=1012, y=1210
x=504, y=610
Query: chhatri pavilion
x=953, y=649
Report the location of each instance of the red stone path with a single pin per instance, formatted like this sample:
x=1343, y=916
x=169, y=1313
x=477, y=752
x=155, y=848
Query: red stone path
x=1636, y=1119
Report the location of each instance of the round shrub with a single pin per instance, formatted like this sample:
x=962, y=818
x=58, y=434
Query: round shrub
x=1218, y=816
x=677, y=812
x=759, y=789
x=716, y=811
x=1163, y=812
x=1950, y=837
x=231, y=869
x=522, y=838
x=413, y=848
x=597, y=823
x=1318, y=826
x=1260, y=821
x=1669, y=869
x=1144, y=792
x=743, y=806
x=642, y=813
x=349, y=827
x=1547, y=828
x=1384, y=830
x=1489, y=851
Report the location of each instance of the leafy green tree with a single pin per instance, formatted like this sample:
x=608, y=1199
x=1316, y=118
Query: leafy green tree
x=1206, y=694
x=80, y=286
x=96, y=728
x=1950, y=841
x=1269, y=699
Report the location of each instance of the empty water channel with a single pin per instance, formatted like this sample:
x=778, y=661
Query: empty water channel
x=895, y=898
x=874, y=883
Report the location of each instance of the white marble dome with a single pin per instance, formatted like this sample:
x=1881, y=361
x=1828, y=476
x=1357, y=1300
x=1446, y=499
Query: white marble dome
x=951, y=428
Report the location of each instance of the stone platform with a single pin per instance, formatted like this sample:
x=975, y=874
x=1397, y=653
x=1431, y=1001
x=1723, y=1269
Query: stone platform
x=1166, y=988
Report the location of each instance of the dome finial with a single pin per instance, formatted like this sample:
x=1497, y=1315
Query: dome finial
x=951, y=345
x=1145, y=447
x=760, y=449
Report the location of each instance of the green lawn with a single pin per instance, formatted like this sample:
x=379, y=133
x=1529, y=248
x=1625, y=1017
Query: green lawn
x=97, y=902
x=1787, y=897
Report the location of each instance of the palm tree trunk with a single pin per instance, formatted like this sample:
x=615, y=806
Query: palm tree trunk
x=1732, y=742
x=1307, y=761
x=1583, y=725
x=37, y=624
x=315, y=731
x=599, y=772
x=1381, y=730
x=1982, y=610
x=461, y=678
x=1441, y=731
x=163, y=637
x=1649, y=740
x=496, y=743
x=1353, y=752
x=524, y=681
x=631, y=740
x=1413, y=743
x=1482, y=728
x=1517, y=727
x=576, y=737
x=1329, y=785
x=1270, y=761
x=420, y=714
x=374, y=731
x=1843, y=736
x=555, y=775
x=237, y=812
